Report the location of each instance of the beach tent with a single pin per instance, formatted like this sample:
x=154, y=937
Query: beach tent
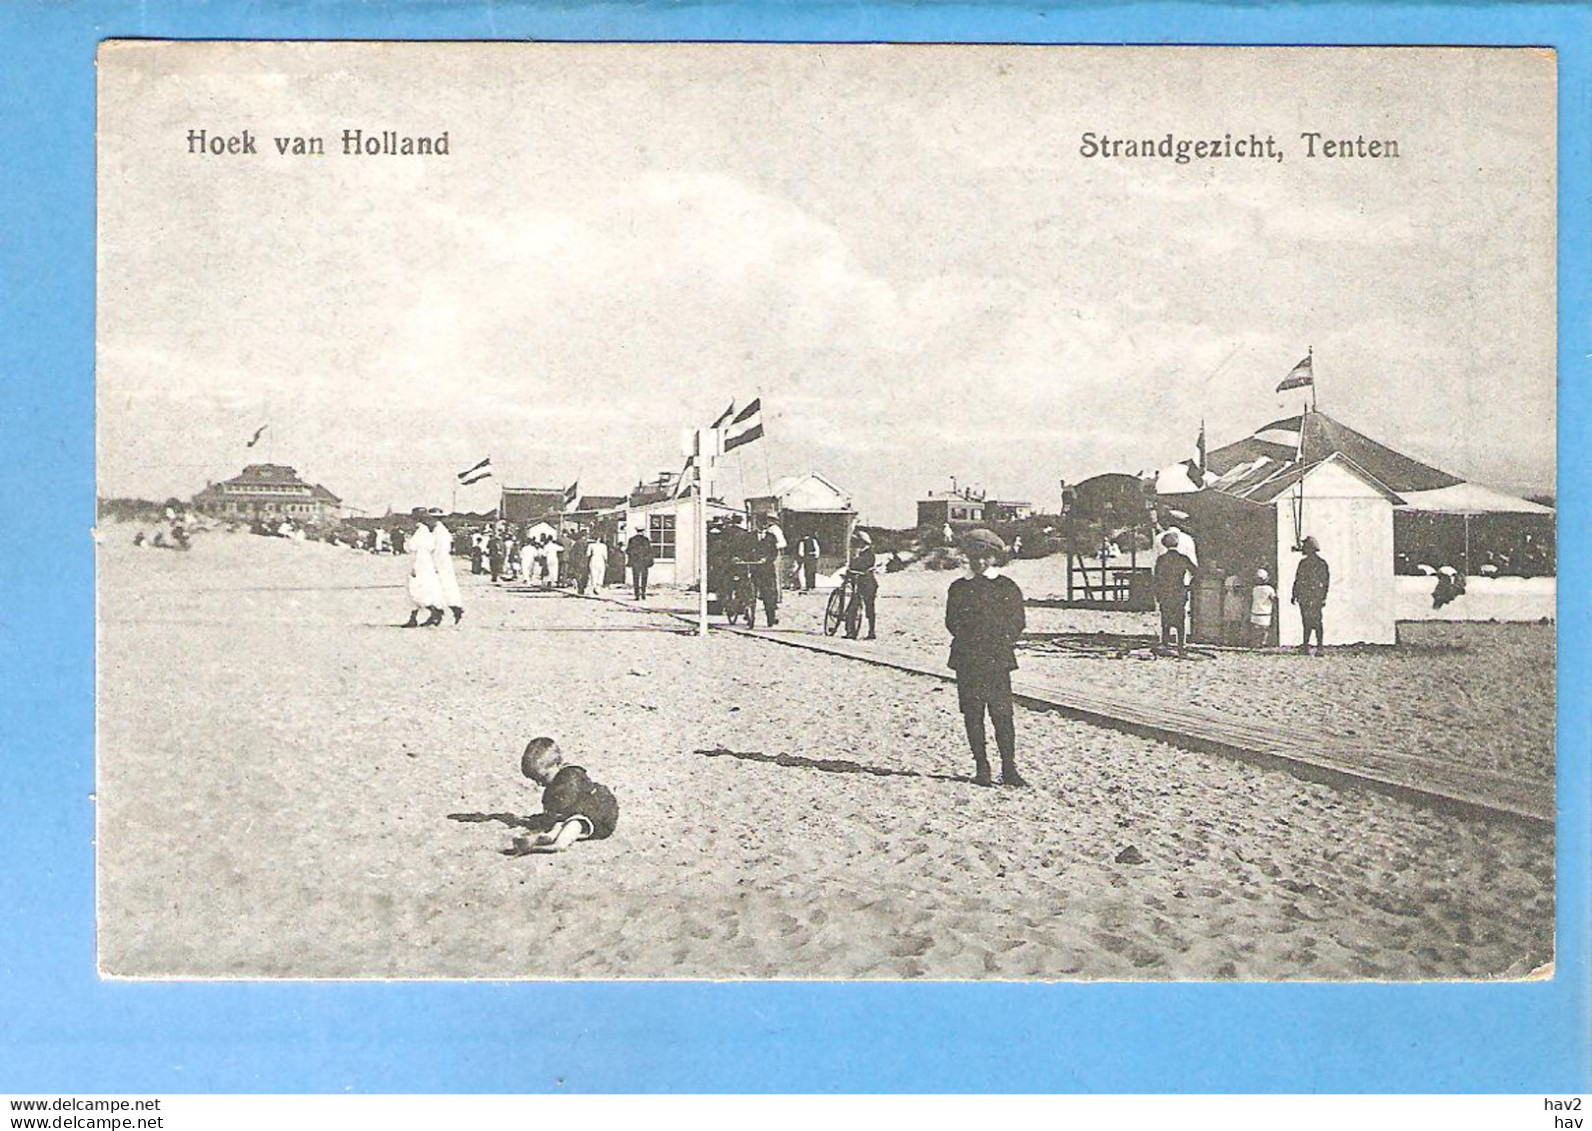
x=1442, y=519
x=1313, y=436
x=1254, y=518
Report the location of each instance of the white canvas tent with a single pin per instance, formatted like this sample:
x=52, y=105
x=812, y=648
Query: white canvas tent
x=1255, y=517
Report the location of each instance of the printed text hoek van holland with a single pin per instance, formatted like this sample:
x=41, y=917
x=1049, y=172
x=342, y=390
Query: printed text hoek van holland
x=1184, y=150
x=381, y=143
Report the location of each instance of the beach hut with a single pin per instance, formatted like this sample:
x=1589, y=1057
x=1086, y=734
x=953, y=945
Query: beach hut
x=670, y=524
x=1256, y=515
x=810, y=505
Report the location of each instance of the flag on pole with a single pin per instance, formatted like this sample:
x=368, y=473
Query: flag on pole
x=480, y=471
x=258, y=432
x=746, y=427
x=724, y=417
x=571, y=493
x=686, y=477
x=1299, y=376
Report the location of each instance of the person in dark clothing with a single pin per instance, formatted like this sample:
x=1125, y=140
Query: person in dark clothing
x=1310, y=585
x=574, y=807
x=398, y=537
x=577, y=561
x=863, y=561
x=494, y=553
x=638, y=552
x=734, y=543
x=1172, y=574
x=807, y=551
x=984, y=614
x=767, y=573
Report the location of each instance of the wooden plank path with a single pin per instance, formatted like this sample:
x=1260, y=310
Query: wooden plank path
x=1336, y=761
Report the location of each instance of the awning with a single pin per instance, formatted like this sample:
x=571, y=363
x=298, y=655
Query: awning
x=1469, y=498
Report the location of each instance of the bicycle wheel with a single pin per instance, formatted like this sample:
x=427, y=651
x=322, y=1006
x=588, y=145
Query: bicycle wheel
x=835, y=611
x=854, y=619
x=749, y=605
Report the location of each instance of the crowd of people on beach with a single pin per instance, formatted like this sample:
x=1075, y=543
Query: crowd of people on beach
x=524, y=554
x=172, y=534
x=1526, y=556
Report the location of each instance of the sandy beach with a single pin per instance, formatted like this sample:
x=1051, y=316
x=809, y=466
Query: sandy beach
x=290, y=785
x=1479, y=694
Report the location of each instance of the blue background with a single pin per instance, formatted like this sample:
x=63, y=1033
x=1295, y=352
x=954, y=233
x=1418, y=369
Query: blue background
x=61, y=1029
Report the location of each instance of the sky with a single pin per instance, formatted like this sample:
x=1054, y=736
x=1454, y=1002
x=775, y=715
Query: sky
x=900, y=249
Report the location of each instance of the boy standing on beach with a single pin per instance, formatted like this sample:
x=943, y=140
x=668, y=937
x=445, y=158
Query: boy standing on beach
x=984, y=613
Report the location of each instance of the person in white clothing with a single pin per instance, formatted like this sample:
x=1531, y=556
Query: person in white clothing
x=528, y=552
x=550, y=551
x=597, y=562
x=448, y=582
x=1262, y=610
x=424, y=588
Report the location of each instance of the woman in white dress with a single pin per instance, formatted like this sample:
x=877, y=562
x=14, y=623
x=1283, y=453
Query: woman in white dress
x=597, y=562
x=550, y=562
x=528, y=552
x=424, y=588
x=448, y=582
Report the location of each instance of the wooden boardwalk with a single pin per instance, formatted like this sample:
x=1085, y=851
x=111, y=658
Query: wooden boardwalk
x=1337, y=761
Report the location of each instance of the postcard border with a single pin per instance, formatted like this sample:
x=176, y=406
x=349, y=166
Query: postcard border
x=66, y=1030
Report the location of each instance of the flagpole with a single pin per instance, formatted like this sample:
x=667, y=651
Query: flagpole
x=1310, y=354
x=704, y=461
x=768, y=476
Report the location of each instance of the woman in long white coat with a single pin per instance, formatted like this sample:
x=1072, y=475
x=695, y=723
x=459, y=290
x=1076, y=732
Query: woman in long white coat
x=425, y=590
x=597, y=562
x=448, y=581
x=550, y=562
x=528, y=555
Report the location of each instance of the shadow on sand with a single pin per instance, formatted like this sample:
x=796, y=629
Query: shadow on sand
x=536, y=823
x=827, y=765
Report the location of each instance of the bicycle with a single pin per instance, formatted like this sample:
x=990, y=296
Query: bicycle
x=842, y=609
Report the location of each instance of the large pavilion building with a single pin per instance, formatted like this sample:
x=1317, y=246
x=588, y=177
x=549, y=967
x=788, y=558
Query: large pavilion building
x=269, y=490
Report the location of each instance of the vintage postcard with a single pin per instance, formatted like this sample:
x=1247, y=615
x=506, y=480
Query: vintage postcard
x=724, y=511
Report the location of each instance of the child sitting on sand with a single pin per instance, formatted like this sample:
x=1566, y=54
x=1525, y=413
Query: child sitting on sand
x=573, y=806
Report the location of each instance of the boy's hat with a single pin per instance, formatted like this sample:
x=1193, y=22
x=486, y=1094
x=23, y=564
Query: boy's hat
x=861, y=535
x=1262, y=575
x=982, y=539
x=1310, y=543
x=1169, y=540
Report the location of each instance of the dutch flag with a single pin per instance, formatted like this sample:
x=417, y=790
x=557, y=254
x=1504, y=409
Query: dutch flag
x=480, y=471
